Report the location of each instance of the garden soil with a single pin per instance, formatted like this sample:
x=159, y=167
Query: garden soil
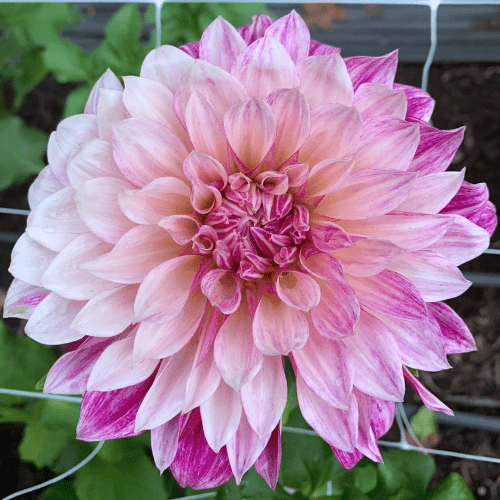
x=465, y=94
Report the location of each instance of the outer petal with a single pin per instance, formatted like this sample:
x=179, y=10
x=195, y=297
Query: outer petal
x=325, y=80
x=64, y=277
x=455, y=334
x=49, y=323
x=255, y=28
x=326, y=370
x=55, y=221
x=264, y=397
x=376, y=358
x=374, y=99
x=221, y=416
x=469, y=201
x=110, y=111
x=431, y=193
x=166, y=65
x=338, y=428
x=429, y=400
x=335, y=130
x=420, y=103
x=165, y=290
x=111, y=415
x=97, y=205
x=367, y=194
x=30, y=260
x=432, y=274
x=107, y=81
x=328, y=175
x=293, y=122
x=108, y=313
x=268, y=463
x=488, y=219
x=386, y=143
x=22, y=298
x=250, y=129
x=363, y=69
x=137, y=252
x=221, y=44
x=236, y=356
x=145, y=150
x=278, y=328
x=292, y=32
x=389, y=293
x=196, y=464
x=164, y=443
x=45, y=184
x=115, y=368
x=265, y=66
x=145, y=98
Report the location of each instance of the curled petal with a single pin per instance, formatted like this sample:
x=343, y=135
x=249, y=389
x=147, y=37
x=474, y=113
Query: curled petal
x=278, y=328
x=292, y=32
x=321, y=264
x=236, y=356
x=469, y=202
x=328, y=236
x=204, y=169
x=364, y=69
x=223, y=289
x=324, y=80
x=264, y=66
x=205, y=198
x=165, y=290
x=221, y=44
x=420, y=103
x=182, y=228
x=297, y=290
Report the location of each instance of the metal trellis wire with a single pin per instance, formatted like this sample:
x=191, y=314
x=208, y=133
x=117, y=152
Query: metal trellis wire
x=480, y=279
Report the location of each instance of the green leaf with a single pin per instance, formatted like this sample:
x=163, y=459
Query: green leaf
x=67, y=61
x=123, y=31
x=404, y=472
x=424, y=422
x=413, y=371
x=229, y=491
x=452, y=487
x=62, y=490
x=76, y=100
x=29, y=72
x=365, y=478
x=352, y=493
x=132, y=478
x=22, y=360
x=15, y=44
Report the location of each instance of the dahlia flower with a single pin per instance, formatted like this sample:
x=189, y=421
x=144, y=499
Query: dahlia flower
x=249, y=196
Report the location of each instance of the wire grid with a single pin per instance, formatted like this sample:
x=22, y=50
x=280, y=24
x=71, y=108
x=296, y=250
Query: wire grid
x=401, y=417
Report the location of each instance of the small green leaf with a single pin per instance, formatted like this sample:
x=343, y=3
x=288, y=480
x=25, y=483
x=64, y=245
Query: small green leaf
x=123, y=31
x=365, y=478
x=424, y=422
x=30, y=71
x=452, y=487
x=62, y=490
x=67, y=61
x=352, y=493
x=413, y=371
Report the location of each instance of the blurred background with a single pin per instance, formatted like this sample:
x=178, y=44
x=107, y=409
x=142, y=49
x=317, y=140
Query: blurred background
x=50, y=56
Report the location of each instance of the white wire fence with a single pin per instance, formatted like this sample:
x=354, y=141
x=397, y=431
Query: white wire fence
x=403, y=423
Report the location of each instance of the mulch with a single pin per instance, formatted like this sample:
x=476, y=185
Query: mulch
x=465, y=94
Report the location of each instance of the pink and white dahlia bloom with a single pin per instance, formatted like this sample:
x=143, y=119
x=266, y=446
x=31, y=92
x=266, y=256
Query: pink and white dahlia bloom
x=250, y=196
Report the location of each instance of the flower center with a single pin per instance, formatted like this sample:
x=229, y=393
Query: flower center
x=257, y=227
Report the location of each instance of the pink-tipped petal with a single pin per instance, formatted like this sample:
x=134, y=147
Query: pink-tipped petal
x=374, y=99
x=386, y=143
x=221, y=44
x=223, y=289
x=164, y=443
x=107, y=81
x=292, y=32
x=376, y=358
x=335, y=131
x=469, y=201
x=111, y=415
x=328, y=175
x=455, y=334
x=364, y=69
x=321, y=264
x=325, y=80
x=115, y=368
x=182, y=228
x=264, y=66
x=201, y=168
x=337, y=427
x=432, y=274
x=250, y=129
x=293, y=122
x=298, y=290
x=49, y=323
x=326, y=370
x=236, y=356
x=165, y=290
x=389, y=293
x=264, y=397
x=97, y=205
x=145, y=150
x=278, y=328
x=367, y=194
x=108, y=313
x=166, y=65
x=221, y=416
x=268, y=462
x=429, y=400
x=255, y=28
x=321, y=49
x=420, y=103
x=22, y=298
x=488, y=219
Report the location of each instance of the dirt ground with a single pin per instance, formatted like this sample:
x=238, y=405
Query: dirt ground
x=465, y=94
